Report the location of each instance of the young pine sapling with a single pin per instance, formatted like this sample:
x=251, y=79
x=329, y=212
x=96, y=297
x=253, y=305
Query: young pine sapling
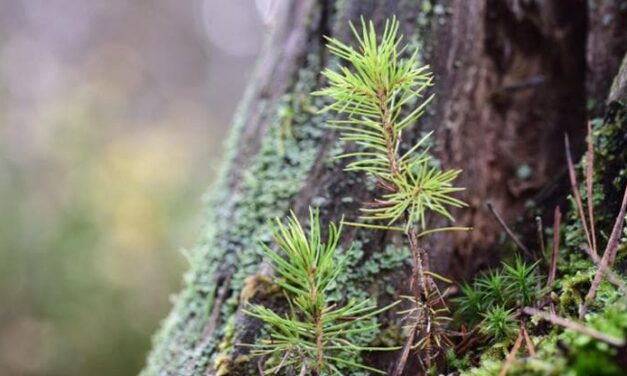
x=313, y=337
x=380, y=95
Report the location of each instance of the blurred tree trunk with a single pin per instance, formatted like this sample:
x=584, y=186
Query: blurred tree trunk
x=512, y=76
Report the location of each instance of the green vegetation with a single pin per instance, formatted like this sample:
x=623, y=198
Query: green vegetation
x=235, y=226
x=499, y=303
x=314, y=336
x=92, y=221
x=497, y=316
x=493, y=299
x=313, y=314
x=381, y=96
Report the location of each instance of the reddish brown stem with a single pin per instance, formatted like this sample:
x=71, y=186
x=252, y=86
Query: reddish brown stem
x=419, y=281
x=319, y=343
x=608, y=256
x=406, y=350
x=557, y=320
x=574, y=186
x=540, y=231
x=557, y=218
x=388, y=133
x=528, y=342
x=512, y=354
x=611, y=275
x=509, y=232
x=589, y=176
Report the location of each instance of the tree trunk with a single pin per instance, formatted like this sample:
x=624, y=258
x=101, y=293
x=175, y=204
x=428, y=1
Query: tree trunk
x=512, y=76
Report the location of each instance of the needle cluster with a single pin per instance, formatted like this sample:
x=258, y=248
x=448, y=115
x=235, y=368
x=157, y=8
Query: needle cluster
x=380, y=95
x=313, y=337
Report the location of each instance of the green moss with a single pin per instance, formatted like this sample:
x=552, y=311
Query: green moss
x=222, y=365
x=566, y=352
x=610, y=145
x=488, y=368
x=226, y=346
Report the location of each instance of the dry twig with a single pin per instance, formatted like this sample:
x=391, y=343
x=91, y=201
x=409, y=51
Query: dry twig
x=528, y=342
x=508, y=230
x=557, y=320
x=512, y=354
x=608, y=256
x=540, y=232
x=614, y=278
x=557, y=218
x=574, y=186
x=406, y=350
x=589, y=172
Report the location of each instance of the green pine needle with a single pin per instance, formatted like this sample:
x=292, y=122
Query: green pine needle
x=380, y=94
x=314, y=335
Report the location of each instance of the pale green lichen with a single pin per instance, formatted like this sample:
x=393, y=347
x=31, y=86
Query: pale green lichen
x=236, y=224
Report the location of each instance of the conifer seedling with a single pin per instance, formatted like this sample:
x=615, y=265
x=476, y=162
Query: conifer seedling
x=379, y=95
x=313, y=337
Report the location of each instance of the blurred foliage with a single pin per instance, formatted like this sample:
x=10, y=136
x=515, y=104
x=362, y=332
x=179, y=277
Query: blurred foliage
x=108, y=138
x=88, y=239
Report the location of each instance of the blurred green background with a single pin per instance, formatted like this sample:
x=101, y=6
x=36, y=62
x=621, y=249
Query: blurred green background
x=112, y=119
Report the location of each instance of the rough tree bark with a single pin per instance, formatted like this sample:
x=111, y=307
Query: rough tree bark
x=512, y=76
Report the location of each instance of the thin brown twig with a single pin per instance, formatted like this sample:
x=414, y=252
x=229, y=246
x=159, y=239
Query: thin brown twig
x=419, y=280
x=469, y=339
x=611, y=275
x=589, y=176
x=221, y=293
x=557, y=320
x=217, y=306
x=420, y=288
x=260, y=367
x=540, y=232
x=508, y=230
x=574, y=186
x=512, y=354
x=608, y=256
x=612, y=243
x=528, y=342
x=557, y=218
x=406, y=350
